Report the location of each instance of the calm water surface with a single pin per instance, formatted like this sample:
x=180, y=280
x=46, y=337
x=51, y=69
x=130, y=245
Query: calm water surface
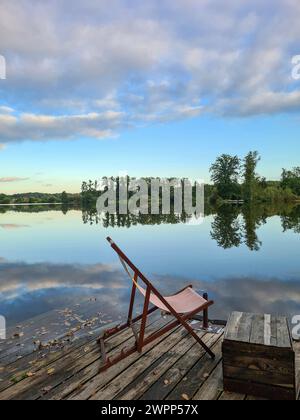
x=247, y=259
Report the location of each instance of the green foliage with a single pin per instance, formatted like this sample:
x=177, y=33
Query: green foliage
x=64, y=197
x=38, y=198
x=89, y=193
x=226, y=227
x=250, y=177
x=291, y=179
x=4, y=199
x=225, y=174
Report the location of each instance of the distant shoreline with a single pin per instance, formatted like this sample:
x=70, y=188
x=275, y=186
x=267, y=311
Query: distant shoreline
x=29, y=204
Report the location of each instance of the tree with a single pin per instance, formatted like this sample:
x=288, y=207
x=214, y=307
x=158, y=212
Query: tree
x=4, y=199
x=291, y=180
x=84, y=187
x=226, y=227
x=249, y=174
x=225, y=174
x=252, y=221
x=64, y=197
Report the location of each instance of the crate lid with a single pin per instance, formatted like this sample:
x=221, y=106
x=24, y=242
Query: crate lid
x=264, y=329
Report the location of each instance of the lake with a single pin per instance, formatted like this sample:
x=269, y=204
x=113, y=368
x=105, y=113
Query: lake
x=247, y=258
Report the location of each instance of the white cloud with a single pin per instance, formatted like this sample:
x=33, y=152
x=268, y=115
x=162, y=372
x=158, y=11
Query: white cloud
x=5, y=110
x=45, y=127
x=12, y=179
x=147, y=61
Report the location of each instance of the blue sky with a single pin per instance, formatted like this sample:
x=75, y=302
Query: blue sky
x=159, y=89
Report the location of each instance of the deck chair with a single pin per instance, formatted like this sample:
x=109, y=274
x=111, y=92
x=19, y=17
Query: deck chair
x=183, y=306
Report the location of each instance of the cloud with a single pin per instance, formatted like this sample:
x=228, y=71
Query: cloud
x=6, y=110
x=105, y=69
x=12, y=179
x=11, y=226
x=47, y=127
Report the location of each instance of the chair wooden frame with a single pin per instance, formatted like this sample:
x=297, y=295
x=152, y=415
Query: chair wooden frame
x=141, y=340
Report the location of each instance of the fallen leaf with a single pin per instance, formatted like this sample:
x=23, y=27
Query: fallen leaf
x=50, y=371
x=18, y=335
x=46, y=389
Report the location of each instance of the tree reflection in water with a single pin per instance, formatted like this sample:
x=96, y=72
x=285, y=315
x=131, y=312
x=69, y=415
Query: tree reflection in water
x=232, y=225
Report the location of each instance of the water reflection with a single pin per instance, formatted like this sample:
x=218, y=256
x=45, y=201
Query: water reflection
x=233, y=225
x=27, y=290
x=247, y=257
x=30, y=289
x=90, y=216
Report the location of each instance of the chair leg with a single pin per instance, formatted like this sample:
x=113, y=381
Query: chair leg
x=182, y=320
x=174, y=324
x=205, y=314
x=144, y=321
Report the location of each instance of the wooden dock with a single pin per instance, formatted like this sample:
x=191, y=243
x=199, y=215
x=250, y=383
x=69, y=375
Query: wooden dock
x=175, y=367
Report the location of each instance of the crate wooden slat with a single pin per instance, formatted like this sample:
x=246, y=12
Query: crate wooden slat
x=258, y=356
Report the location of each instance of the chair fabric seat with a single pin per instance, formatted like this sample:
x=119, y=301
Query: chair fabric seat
x=184, y=302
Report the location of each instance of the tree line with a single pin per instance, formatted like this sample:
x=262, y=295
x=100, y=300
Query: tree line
x=237, y=179
x=233, y=179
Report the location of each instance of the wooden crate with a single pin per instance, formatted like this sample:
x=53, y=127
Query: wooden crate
x=258, y=357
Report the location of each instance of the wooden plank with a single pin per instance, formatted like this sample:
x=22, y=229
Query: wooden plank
x=61, y=370
x=233, y=326
x=253, y=363
x=125, y=378
x=245, y=327
x=260, y=390
x=267, y=330
x=234, y=348
x=257, y=331
x=266, y=377
x=283, y=334
x=53, y=325
x=252, y=398
x=213, y=387
x=36, y=361
x=163, y=386
x=201, y=371
x=239, y=327
x=231, y=396
x=157, y=370
x=40, y=360
x=85, y=384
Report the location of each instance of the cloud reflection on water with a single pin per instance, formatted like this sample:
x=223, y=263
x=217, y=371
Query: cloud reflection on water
x=27, y=290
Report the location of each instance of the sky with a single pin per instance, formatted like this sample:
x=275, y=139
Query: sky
x=157, y=88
